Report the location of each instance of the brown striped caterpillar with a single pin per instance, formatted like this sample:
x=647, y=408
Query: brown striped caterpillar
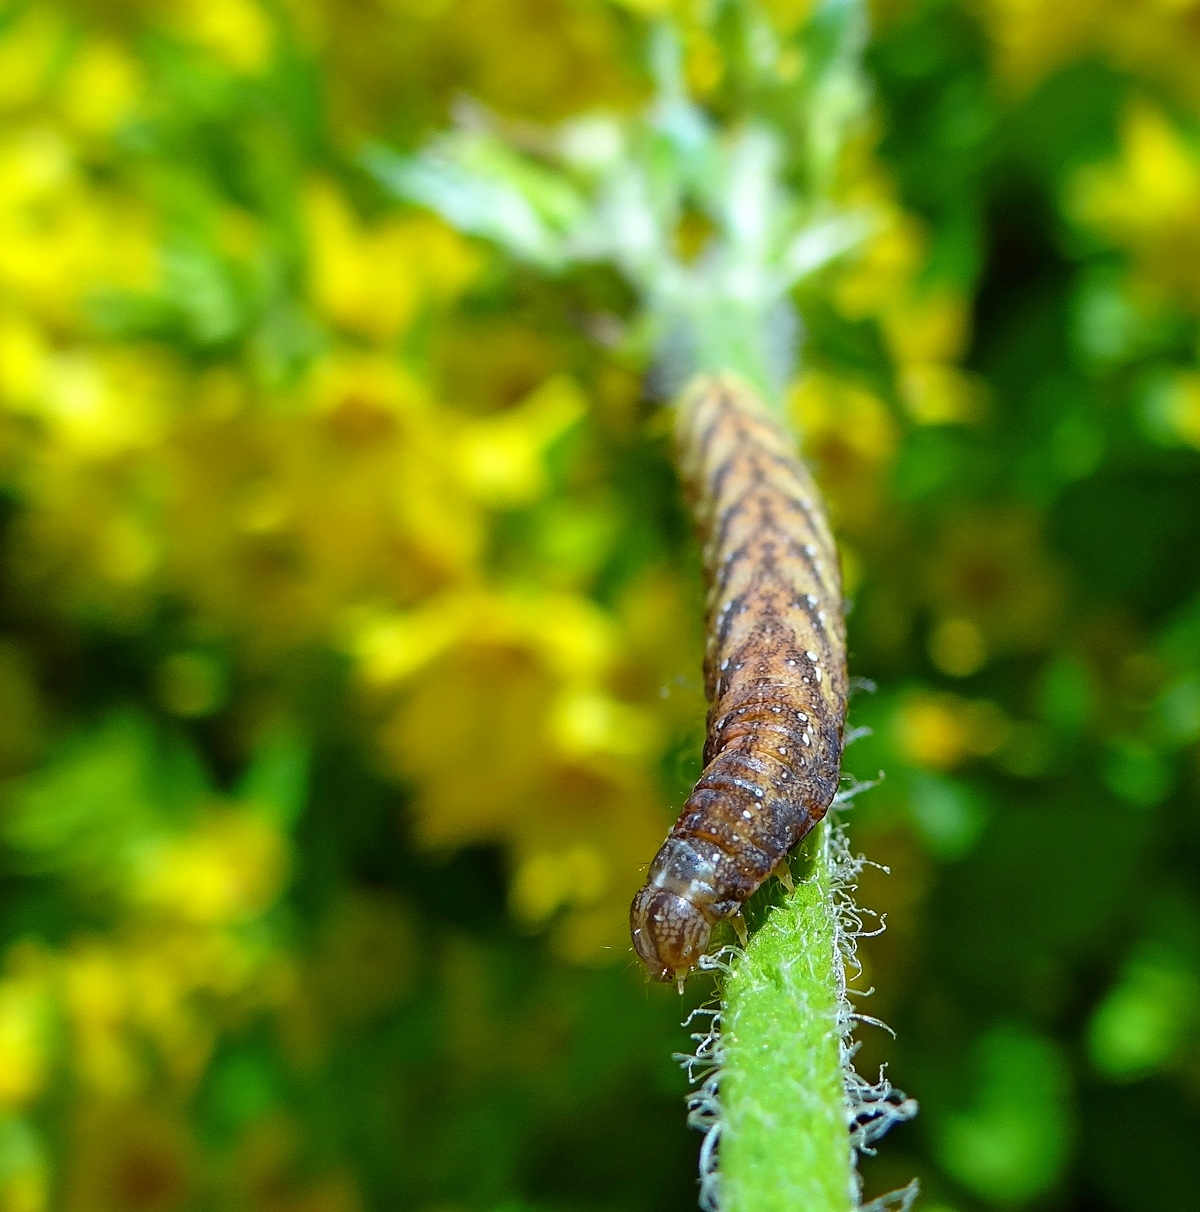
x=774, y=670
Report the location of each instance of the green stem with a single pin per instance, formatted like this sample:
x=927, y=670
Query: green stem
x=785, y=1144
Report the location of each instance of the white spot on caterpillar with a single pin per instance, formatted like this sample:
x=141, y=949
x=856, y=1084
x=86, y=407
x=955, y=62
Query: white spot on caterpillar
x=809, y=549
x=724, y=664
x=747, y=814
x=791, y=662
x=817, y=672
x=758, y=793
x=776, y=710
x=782, y=749
x=810, y=599
x=801, y=716
x=812, y=656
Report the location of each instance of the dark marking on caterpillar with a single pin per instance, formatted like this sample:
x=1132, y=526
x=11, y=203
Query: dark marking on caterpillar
x=774, y=670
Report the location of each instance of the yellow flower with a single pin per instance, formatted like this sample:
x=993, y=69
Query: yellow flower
x=590, y=722
x=850, y=436
x=28, y=50
x=237, y=32
x=372, y=280
x=24, y=1037
x=546, y=880
x=940, y=731
x=100, y=89
x=884, y=267
x=1147, y=203
x=937, y=394
x=1176, y=412
x=1030, y=38
x=957, y=647
x=24, y=362
x=95, y=995
x=388, y=646
x=502, y=459
x=61, y=238
x=230, y=868
x=932, y=327
x=103, y=406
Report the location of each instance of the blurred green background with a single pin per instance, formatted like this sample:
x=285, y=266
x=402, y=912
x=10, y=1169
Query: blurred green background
x=350, y=622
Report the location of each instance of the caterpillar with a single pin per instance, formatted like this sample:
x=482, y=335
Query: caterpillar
x=774, y=672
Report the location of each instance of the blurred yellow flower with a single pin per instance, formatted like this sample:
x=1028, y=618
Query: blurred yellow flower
x=28, y=52
x=229, y=868
x=940, y=731
x=1032, y=37
x=62, y=237
x=101, y=88
x=590, y=722
x=957, y=647
x=1177, y=411
x=388, y=646
x=502, y=458
x=546, y=880
x=931, y=327
x=96, y=996
x=25, y=1009
x=1147, y=202
x=878, y=275
x=371, y=280
x=849, y=436
x=936, y=394
x=237, y=32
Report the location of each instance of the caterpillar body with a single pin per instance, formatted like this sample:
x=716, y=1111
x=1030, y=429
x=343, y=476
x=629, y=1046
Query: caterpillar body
x=774, y=670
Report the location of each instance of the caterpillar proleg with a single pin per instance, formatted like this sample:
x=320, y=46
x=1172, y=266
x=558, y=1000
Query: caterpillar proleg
x=774, y=670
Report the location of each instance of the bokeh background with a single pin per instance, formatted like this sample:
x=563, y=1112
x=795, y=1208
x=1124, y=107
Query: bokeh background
x=350, y=621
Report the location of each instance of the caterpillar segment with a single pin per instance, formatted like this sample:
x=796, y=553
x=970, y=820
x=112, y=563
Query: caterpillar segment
x=774, y=670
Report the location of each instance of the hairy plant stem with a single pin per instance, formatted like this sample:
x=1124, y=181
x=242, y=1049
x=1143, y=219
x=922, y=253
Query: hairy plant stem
x=785, y=1143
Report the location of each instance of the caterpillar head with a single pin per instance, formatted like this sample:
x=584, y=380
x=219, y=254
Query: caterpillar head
x=669, y=933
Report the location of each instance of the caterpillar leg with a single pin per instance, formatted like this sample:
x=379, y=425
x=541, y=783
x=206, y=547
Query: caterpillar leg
x=783, y=873
x=739, y=926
